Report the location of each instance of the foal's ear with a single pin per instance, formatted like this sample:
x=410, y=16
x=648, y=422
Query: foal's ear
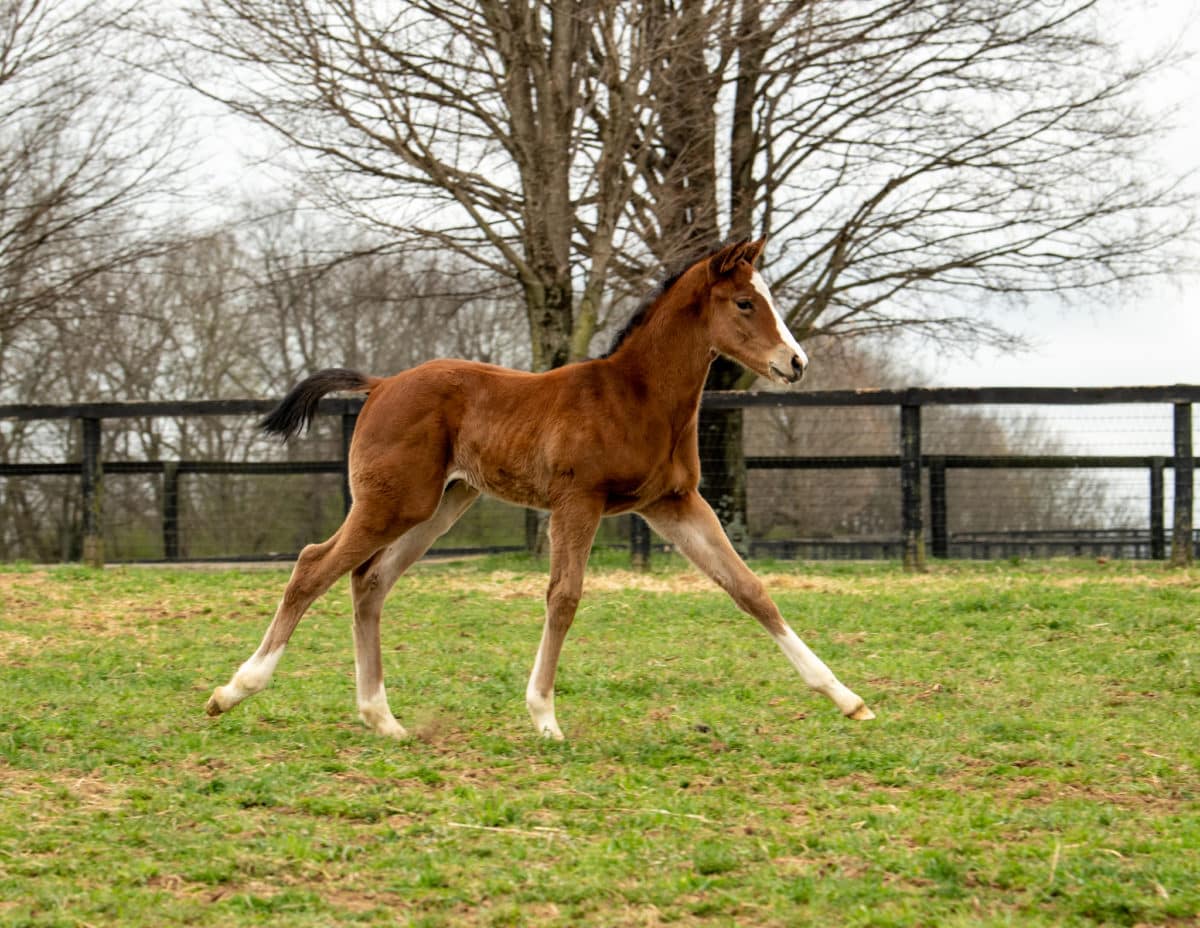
x=723, y=263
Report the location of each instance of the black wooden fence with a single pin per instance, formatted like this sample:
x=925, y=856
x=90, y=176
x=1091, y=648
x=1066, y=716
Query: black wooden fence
x=911, y=463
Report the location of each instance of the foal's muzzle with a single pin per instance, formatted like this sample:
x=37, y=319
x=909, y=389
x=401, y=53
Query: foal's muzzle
x=788, y=369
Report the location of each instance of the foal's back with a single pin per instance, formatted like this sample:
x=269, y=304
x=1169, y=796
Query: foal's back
x=528, y=438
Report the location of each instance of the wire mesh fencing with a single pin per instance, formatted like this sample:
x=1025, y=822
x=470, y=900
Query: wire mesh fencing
x=812, y=475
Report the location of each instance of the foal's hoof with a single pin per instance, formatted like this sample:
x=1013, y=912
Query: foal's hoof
x=861, y=714
x=552, y=733
x=392, y=729
x=213, y=707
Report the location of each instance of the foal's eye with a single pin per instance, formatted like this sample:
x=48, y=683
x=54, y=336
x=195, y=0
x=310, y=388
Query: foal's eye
x=745, y=305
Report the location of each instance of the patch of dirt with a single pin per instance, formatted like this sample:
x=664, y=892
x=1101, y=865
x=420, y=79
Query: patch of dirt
x=13, y=583
x=1029, y=790
x=1037, y=791
x=347, y=898
x=359, y=901
x=16, y=649
x=41, y=601
x=88, y=790
x=508, y=585
x=910, y=690
x=513, y=585
x=1183, y=579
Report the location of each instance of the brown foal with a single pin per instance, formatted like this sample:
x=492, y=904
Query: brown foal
x=601, y=437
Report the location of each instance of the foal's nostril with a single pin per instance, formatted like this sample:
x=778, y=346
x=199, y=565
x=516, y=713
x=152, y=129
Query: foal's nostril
x=797, y=366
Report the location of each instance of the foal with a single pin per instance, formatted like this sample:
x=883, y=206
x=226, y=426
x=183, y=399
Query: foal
x=597, y=438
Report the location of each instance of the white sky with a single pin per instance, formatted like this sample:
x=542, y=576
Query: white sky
x=1152, y=337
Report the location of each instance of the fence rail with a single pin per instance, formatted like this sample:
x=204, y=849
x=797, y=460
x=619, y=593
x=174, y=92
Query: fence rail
x=913, y=465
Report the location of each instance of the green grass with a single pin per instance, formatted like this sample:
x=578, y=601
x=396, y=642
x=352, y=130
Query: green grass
x=1036, y=760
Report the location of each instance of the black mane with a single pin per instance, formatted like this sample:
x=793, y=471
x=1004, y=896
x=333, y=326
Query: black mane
x=664, y=284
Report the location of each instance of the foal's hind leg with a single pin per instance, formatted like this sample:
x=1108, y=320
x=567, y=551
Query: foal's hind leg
x=572, y=529
x=370, y=584
x=315, y=572
x=690, y=524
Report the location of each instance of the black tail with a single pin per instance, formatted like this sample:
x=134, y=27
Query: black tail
x=298, y=407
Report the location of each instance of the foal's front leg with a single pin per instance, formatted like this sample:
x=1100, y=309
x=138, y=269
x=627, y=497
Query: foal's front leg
x=689, y=523
x=572, y=529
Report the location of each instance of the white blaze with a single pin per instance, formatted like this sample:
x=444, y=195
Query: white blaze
x=785, y=334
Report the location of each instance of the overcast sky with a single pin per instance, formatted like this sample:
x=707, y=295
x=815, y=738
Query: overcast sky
x=1151, y=337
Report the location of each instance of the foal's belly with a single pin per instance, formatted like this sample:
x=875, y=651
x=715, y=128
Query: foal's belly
x=501, y=483
x=617, y=494
x=544, y=462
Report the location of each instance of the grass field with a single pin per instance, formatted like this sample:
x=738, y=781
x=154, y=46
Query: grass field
x=1036, y=760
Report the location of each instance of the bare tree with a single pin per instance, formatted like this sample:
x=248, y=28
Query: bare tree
x=82, y=159
x=909, y=160
x=907, y=156
x=497, y=131
x=903, y=155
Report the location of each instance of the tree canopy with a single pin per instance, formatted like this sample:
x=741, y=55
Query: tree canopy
x=902, y=156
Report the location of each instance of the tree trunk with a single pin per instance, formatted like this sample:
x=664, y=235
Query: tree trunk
x=551, y=324
x=722, y=441
x=723, y=458
x=688, y=217
x=551, y=330
x=744, y=139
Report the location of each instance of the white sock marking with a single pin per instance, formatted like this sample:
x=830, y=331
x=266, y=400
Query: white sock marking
x=252, y=677
x=814, y=672
x=374, y=710
x=541, y=708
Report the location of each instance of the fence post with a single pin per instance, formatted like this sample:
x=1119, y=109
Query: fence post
x=1181, y=536
x=348, y=421
x=1158, y=532
x=91, y=481
x=170, y=518
x=639, y=542
x=911, y=529
x=937, y=507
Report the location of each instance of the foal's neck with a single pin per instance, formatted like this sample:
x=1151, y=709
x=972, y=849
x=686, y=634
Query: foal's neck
x=670, y=353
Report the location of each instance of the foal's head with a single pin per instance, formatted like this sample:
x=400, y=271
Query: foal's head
x=744, y=323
